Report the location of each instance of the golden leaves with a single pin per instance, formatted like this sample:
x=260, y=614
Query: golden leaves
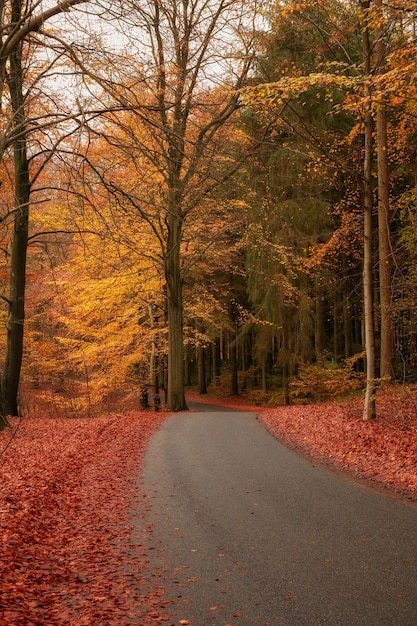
x=292, y=87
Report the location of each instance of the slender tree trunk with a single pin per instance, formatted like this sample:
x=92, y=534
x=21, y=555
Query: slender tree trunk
x=153, y=361
x=385, y=251
x=243, y=365
x=285, y=358
x=286, y=382
x=346, y=315
x=347, y=324
x=319, y=332
x=369, y=409
x=15, y=323
x=234, y=384
x=215, y=349
x=384, y=216
x=201, y=370
x=336, y=326
x=201, y=364
x=264, y=381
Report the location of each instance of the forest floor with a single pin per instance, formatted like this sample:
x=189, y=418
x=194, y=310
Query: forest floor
x=68, y=555
x=67, y=552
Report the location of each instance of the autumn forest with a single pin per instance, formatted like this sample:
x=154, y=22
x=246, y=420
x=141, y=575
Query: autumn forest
x=206, y=194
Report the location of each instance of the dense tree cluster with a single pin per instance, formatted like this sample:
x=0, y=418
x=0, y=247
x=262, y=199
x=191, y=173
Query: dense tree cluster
x=206, y=193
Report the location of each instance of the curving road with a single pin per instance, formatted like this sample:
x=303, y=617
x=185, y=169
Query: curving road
x=251, y=534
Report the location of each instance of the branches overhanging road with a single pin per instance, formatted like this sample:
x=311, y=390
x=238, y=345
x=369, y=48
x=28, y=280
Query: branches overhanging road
x=250, y=533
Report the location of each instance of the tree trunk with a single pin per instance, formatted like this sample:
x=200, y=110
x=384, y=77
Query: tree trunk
x=319, y=332
x=264, y=382
x=286, y=383
x=384, y=217
x=201, y=369
x=336, y=326
x=215, y=357
x=16, y=318
x=201, y=363
x=385, y=251
x=369, y=409
x=153, y=361
x=176, y=387
x=347, y=324
x=234, y=384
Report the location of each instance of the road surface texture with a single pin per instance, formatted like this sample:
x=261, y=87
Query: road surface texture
x=252, y=534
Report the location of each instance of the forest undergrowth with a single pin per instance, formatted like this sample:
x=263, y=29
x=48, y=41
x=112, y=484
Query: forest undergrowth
x=68, y=553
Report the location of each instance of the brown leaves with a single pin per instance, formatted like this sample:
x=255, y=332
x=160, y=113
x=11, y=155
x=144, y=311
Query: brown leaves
x=67, y=554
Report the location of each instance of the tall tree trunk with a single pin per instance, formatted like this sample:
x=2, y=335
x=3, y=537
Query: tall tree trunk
x=153, y=361
x=337, y=350
x=201, y=363
x=347, y=326
x=176, y=388
x=369, y=409
x=286, y=384
x=319, y=332
x=201, y=370
x=384, y=215
x=264, y=380
x=16, y=318
x=215, y=358
x=234, y=384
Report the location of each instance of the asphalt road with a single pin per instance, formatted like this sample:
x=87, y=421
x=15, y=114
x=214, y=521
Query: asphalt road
x=250, y=533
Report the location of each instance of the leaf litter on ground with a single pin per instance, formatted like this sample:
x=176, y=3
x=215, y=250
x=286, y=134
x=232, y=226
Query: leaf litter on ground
x=68, y=554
